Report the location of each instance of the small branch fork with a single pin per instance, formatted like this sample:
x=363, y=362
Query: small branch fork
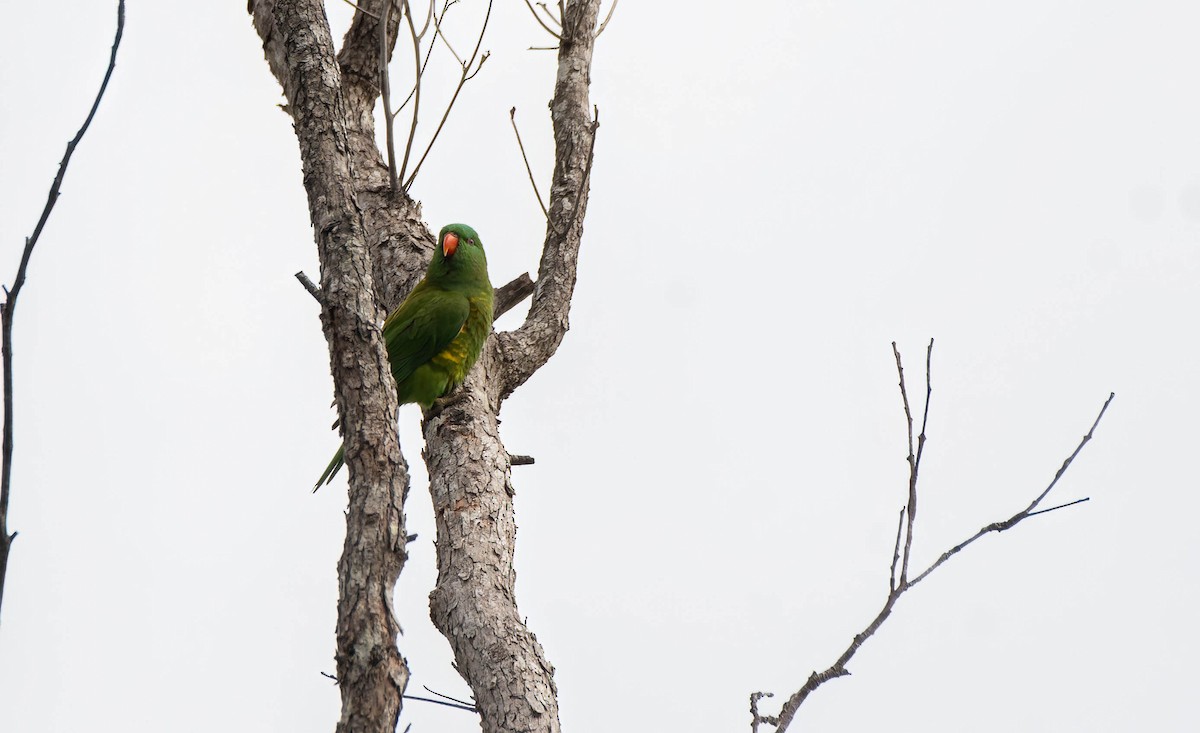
x=466, y=76
x=557, y=21
x=398, y=175
x=899, y=584
x=8, y=308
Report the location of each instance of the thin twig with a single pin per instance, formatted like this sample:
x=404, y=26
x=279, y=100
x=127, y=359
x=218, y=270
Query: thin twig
x=606, y=19
x=466, y=76
x=447, y=697
x=362, y=10
x=310, y=286
x=470, y=708
x=385, y=91
x=1060, y=506
x=1067, y=463
x=438, y=27
x=412, y=132
x=896, y=550
x=912, y=472
x=756, y=718
x=512, y=116
x=8, y=308
x=545, y=8
x=425, y=63
x=428, y=17
x=1025, y=513
x=541, y=22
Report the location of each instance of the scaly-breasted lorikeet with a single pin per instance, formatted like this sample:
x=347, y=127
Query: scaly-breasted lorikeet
x=434, y=337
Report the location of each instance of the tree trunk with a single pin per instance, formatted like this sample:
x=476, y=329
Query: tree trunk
x=373, y=248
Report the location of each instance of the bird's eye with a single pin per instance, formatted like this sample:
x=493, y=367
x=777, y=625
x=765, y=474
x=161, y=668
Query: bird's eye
x=470, y=241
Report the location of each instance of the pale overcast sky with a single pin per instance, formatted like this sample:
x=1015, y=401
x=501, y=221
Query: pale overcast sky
x=778, y=193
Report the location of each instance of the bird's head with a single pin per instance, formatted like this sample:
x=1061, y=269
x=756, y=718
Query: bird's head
x=459, y=247
x=454, y=238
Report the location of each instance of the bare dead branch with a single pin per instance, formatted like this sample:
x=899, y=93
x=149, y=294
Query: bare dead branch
x=463, y=79
x=428, y=17
x=546, y=9
x=309, y=285
x=425, y=63
x=757, y=719
x=465, y=703
x=541, y=22
x=8, y=308
x=897, y=588
x=385, y=91
x=448, y=702
x=1028, y=511
x=412, y=132
x=1060, y=506
x=607, y=18
x=512, y=116
x=362, y=10
x=510, y=294
x=440, y=34
x=914, y=460
x=524, y=350
x=519, y=460
x=896, y=550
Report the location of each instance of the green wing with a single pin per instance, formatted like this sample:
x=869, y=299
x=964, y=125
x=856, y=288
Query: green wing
x=422, y=327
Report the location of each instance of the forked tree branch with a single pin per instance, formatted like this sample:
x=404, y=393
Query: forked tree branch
x=541, y=22
x=8, y=308
x=612, y=9
x=523, y=351
x=897, y=587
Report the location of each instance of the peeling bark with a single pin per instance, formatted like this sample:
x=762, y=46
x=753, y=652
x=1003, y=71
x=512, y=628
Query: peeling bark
x=474, y=603
x=371, y=673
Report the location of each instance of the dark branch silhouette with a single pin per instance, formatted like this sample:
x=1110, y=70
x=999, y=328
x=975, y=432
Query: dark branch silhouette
x=8, y=308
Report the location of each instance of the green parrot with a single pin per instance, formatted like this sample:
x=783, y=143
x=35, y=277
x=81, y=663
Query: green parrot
x=434, y=337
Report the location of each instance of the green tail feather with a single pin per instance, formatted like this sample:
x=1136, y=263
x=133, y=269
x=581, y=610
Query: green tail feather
x=331, y=470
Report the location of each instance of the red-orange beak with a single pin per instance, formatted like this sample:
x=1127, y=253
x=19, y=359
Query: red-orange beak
x=449, y=244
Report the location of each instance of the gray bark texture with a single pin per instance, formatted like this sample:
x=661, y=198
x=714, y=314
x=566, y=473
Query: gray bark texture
x=373, y=248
